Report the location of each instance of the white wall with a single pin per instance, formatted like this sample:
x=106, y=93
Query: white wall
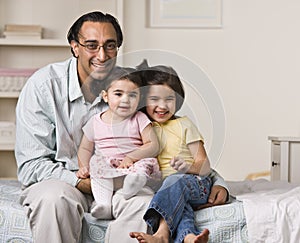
x=254, y=63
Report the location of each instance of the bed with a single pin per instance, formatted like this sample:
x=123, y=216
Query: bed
x=227, y=223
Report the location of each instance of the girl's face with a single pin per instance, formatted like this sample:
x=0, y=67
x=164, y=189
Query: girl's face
x=123, y=97
x=161, y=103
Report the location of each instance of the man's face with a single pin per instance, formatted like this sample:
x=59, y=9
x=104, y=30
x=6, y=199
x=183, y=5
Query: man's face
x=96, y=51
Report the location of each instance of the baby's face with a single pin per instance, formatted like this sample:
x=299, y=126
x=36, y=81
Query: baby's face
x=123, y=97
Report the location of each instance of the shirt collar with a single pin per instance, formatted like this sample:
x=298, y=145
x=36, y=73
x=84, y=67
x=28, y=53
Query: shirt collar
x=74, y=86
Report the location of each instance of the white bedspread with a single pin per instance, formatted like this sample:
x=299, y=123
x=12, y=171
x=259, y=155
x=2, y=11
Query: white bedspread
x=272, y=212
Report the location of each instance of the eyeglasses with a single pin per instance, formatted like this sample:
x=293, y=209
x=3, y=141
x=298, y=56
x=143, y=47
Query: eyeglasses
x=109, y=47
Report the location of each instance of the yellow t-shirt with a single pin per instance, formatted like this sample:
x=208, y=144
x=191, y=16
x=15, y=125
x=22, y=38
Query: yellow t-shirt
x=174, y=137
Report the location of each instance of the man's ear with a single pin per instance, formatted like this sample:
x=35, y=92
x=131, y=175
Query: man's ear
x=104, y=96
x=74, y=46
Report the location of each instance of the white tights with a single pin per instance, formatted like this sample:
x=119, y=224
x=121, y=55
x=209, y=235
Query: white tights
x=103, y=191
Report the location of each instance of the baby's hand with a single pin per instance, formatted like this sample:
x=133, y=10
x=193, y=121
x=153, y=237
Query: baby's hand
x=115, y=162
x=125, y=163
x=179, y=164
x=83, y=172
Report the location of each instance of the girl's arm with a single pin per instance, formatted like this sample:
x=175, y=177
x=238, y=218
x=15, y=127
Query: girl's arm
x=150, y=148
x=84, y=154
x=201, y=165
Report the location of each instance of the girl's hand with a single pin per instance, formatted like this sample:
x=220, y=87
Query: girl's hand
x=179, y=164
x=83, y=172
x=125, y=163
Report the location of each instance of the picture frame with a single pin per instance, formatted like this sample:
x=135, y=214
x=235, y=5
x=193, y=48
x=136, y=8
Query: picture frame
x=185, y=13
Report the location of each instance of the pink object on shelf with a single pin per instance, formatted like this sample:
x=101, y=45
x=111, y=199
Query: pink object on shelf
x=13, y=79
x=17, y=71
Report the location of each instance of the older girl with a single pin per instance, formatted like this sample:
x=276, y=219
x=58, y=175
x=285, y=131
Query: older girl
x=183, y=162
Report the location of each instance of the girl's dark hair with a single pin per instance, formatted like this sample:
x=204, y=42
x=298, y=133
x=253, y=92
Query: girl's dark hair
x=96, y=16
x=163, y=75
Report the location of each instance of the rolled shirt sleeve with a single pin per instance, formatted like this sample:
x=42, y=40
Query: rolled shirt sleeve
x=218, y=180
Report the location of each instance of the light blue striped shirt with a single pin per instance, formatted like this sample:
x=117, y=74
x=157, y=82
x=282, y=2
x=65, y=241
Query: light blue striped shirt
x=50, y=114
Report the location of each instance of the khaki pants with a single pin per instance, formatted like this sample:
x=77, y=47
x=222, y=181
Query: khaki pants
x=55, y=210
x=128, y=216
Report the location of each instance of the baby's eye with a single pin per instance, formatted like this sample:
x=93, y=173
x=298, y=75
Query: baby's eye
x=132, y=95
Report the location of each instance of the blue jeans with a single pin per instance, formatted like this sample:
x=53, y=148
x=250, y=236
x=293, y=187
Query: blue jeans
x=175, y=201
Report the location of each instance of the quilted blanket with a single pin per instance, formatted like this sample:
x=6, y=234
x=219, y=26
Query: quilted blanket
x=226, y=223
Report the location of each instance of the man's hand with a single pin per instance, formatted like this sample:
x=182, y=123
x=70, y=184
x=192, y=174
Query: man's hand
x=218, y=196
x=84, y=185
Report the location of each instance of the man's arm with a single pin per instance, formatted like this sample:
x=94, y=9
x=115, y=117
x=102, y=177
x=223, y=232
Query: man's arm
x=84, y=185
x=219, y=192
x=218, y=180
x=36, y=144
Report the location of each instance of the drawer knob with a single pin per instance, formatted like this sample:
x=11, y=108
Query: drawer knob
x=274, y=163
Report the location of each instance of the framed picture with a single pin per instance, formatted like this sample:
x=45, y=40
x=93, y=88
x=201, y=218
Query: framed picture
x=185, y=13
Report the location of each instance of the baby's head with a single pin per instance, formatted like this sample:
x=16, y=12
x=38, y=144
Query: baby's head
x=122, y=91
x=125, y=73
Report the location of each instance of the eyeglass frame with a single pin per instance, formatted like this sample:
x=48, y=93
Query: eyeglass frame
x=99, y=46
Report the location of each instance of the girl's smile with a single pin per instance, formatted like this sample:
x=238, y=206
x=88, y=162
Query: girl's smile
x=161, y=103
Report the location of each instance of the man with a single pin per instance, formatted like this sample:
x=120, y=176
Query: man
x=53, y=107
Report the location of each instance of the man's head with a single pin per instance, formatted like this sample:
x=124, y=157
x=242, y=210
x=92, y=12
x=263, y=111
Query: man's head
x=95, y=38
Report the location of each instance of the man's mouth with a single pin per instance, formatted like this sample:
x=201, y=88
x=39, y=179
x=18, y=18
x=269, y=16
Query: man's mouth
x=99, y=65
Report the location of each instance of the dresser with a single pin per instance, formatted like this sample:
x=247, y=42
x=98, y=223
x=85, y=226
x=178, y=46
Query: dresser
x=285, y=159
